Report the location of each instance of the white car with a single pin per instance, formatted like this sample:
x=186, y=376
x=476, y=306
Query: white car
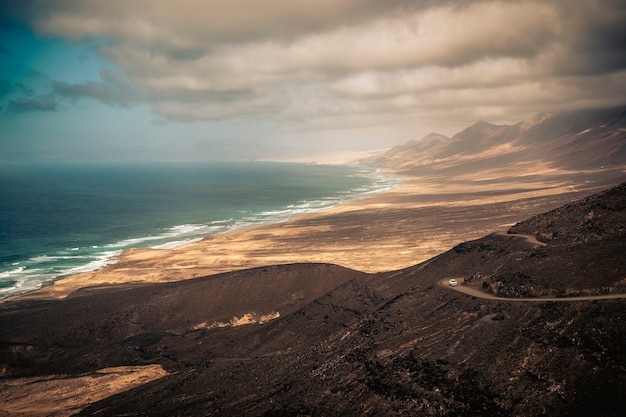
x=453, y=282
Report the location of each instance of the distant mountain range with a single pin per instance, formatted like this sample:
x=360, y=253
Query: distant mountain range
x=582, y=140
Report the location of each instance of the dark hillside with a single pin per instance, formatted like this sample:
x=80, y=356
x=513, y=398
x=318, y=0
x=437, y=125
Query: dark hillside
x=81, y=331
x=354, y=344
x=595, y=218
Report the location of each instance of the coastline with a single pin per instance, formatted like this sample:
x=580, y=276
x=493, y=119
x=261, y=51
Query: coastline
x=390, y=230
x=136, y=260
x=188, y=204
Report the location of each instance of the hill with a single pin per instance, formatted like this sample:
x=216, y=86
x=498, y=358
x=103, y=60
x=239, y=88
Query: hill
x=585, y=140
x=325, y=340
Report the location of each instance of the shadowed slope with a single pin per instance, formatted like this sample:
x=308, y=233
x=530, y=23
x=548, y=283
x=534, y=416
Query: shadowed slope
x=393, y=343
x=68, y=331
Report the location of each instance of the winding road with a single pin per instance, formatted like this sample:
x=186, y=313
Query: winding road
x=479, y=294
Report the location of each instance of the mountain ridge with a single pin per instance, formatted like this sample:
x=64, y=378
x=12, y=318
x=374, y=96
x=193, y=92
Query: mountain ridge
x=582, y=140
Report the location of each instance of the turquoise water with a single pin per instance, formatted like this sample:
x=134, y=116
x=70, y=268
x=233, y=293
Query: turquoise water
x=57, y=220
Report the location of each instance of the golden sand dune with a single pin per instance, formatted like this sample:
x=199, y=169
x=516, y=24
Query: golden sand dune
x=65, y=395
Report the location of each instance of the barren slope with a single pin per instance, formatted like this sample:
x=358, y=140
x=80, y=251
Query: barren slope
x=580, y=141
x=393, y=343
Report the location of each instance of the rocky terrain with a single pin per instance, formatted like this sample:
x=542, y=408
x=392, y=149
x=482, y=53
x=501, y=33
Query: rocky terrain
x=316, y=339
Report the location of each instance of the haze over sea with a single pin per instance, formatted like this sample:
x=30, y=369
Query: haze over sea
x=60, y=219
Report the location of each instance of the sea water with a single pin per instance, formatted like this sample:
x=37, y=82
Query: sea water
x=62, y=219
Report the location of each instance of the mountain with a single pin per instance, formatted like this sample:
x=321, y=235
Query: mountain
x=325, y=340
x=576, y=141
x=417, y=151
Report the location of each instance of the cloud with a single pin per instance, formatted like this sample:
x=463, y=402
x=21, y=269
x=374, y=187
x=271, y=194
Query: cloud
x=112, y=89
x=341, y=60
x=28, y=104
x=18, y=97
x=97, y=90
x=193, y=23
x=592, y=39
x=6, y=87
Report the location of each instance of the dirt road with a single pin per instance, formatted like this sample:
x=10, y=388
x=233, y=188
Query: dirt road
x=530, y=238
x=479, y=294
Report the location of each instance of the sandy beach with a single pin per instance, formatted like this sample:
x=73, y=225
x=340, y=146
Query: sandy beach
x=419, y=219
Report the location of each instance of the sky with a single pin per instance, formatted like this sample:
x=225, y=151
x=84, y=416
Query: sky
x=156, y=79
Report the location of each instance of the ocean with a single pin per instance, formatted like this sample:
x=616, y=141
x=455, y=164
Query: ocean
x=62, y=219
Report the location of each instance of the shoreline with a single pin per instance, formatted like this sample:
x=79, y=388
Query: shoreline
x=52, y=264
x=384, y=231
x=382, y=181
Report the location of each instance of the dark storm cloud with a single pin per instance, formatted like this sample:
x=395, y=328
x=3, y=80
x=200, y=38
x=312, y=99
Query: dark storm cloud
x=16, y=97
x=103, y=92
x=308, y=60
x=112, y=89
x=594, y=38
x=31, y=104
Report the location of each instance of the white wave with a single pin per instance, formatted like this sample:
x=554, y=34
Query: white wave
x=272, y=213
x=20, y=286
x=175, y=243
x=48, y=258
x=175, y=231
x=9, y=274
x=29, y=278
x=226, y=220
x=43, y=258
x=22, y=280
x=184, y=229
x=103, y=259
